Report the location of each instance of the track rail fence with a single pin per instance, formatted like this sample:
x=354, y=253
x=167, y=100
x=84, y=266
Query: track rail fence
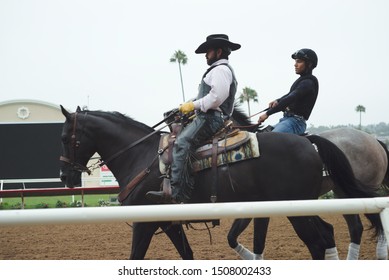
x=183, y=212
x=29, y=192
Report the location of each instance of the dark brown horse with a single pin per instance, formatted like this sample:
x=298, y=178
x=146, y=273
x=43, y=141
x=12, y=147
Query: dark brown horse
x=289, y=168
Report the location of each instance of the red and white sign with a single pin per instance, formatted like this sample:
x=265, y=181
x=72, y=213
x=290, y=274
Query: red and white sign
x=106, y=177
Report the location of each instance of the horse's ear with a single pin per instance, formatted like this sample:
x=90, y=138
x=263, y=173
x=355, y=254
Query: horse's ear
x=78, y=110
x=65, y=112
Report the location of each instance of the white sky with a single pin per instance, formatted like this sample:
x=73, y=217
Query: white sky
x=114, y=55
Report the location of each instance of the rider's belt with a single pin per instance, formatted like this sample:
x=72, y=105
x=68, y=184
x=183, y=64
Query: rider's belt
x=217, y=114
x=291, y=114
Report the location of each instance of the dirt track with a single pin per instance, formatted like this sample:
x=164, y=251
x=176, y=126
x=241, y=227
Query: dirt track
x=113, y=241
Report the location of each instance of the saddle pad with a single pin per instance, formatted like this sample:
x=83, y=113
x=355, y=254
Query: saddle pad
x=243, y=151
x=241, y=146
x=224, y=144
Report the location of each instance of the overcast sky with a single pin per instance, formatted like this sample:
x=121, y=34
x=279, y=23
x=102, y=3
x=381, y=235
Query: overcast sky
x=114, y=55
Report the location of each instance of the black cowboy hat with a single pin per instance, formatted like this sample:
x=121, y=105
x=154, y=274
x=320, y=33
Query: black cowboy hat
x=217, y=40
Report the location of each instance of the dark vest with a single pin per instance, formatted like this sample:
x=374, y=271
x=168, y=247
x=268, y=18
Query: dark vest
x=228, y=105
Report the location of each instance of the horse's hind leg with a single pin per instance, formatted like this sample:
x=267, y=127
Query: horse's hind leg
x=355, y=229
x=236, y=229
x=317, y=235
x=178, y=237
x=141, y=237
x=382, y=247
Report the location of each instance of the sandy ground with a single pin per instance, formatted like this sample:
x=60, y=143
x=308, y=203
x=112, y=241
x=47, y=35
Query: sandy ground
x=113, y=242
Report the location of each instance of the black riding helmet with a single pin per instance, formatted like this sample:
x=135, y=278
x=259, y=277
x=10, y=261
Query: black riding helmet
x=307, y=55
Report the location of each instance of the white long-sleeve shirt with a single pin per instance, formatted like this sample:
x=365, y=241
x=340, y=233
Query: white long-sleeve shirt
x=219, y=79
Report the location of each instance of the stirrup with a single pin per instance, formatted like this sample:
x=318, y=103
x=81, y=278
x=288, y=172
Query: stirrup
x=159, y=197
x=163, y=196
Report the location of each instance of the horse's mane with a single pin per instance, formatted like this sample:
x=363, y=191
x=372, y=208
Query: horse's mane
x=240, y=118
x=121, y=118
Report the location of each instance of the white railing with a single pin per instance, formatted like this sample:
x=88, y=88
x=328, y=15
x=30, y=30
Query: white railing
x=85, y=182
x=26, y=181
x=181, y=212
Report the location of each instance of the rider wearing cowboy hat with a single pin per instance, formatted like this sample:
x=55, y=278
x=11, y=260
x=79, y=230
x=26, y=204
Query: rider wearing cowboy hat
x=213, y=105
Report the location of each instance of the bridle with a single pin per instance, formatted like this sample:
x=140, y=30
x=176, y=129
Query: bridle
x=74, y=144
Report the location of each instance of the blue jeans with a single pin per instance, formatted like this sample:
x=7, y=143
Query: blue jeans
x=291, y=124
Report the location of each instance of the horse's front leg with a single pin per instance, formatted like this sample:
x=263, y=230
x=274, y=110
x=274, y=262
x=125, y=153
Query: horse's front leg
x=260, y=232
x=178, y=237
x=236, y=229
x=141, y=238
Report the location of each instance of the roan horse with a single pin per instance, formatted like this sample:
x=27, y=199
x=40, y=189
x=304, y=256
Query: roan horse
x=369, y=160
x=288, y=168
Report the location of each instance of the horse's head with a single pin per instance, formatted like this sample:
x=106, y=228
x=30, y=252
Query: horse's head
x=77, y=147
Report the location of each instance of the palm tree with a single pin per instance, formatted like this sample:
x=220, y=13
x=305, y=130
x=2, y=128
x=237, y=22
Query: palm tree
x=360, y=109
x=180, y=57
x=247, y=95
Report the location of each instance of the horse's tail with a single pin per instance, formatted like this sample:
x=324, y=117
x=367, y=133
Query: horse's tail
x=341, y=173
x=385, y=182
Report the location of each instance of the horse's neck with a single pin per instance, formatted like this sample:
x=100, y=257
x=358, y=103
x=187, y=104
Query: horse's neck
x=125, y=160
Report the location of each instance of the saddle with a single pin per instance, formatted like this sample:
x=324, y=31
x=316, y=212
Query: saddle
x=227, y=146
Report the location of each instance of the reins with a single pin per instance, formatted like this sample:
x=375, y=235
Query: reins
x=173, y=112
x=103, y=162
x=253, y=126
x=264, y=110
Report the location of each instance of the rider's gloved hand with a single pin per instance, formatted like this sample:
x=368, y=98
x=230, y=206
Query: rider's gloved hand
x=187, y=107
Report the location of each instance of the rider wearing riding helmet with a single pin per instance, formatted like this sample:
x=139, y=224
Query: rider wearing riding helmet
x=297, y=105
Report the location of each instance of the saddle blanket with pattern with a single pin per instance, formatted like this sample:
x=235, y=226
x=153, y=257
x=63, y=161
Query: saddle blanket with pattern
x=242, y=145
